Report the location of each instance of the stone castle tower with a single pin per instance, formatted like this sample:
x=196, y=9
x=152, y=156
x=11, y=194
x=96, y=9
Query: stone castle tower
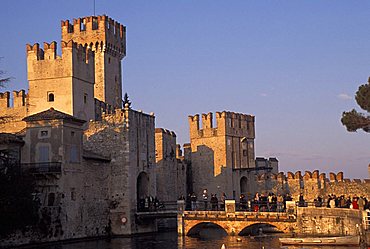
x=219, y=151
x=85, y=81
x=65, y=82
x=107, y=38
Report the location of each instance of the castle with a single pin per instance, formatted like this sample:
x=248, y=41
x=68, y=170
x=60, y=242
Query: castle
x=95, y=158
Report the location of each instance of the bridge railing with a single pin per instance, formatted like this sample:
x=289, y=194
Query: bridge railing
x=366, y=216
x=240, y=206
x=156, y=206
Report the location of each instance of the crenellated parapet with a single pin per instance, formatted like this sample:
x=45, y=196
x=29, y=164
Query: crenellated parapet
x=100, y=33
x=4, y=100
x=19, y=98
x=313, y=184
x=227, y=123
x=76, y=60
x=166, y=147
x=13, y=107
x=102, y=108
x=333, y=177
x=165, y=132
x=15, y=100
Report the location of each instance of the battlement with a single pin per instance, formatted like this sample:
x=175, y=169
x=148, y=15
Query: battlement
x=97, y=32
x=165, y=131
x=18, y=98
x=227, y=123
x=4, y=100
x=102, y=108
x=76, y=60
x=34, y=52
x=315, y=175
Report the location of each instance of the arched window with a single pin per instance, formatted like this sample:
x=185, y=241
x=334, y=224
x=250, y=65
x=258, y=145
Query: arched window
x=51, y=97
x=244, y=185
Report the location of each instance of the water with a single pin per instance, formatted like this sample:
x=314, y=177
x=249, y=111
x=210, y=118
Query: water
x=170, y=240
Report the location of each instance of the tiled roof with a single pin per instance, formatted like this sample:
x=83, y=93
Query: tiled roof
x=52, y=114
x=7, y=138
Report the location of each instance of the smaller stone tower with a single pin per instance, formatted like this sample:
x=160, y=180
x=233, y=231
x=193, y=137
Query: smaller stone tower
x=107, y=38
x=65, y=82
x=218, y=151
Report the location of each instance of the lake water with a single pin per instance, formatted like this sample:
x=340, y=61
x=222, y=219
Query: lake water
x=170, y=240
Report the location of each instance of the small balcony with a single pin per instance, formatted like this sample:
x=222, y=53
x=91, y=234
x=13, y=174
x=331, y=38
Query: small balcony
x=42, y=168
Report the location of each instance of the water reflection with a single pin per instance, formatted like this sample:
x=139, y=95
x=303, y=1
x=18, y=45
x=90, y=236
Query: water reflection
x=170, y=240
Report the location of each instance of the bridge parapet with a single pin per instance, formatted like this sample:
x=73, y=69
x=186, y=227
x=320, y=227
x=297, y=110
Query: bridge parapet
x=307, y=221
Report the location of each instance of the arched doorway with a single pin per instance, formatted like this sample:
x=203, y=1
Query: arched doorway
x=142, y=190
x=244, y=185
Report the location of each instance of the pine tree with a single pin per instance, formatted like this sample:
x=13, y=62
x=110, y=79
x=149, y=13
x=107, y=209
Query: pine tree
x=354, y=120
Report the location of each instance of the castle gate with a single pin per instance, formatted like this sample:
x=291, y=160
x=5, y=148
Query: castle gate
x=142, y=185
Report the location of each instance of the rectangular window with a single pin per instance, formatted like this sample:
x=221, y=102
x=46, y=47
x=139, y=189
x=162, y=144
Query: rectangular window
x=44, y=154
x=44, y=133
x=73, y=194
x=74, y=155
x=85, y=98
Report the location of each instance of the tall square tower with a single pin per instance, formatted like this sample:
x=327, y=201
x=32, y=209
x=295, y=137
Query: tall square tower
x=107, y=38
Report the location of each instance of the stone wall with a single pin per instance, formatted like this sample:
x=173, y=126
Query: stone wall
x=127, y=137
x=312, y=185
x=328, y=221
x=170, y=169
x=13, y=108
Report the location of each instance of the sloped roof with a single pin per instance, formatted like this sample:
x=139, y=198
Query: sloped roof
x=52, y=114
x=8, y=138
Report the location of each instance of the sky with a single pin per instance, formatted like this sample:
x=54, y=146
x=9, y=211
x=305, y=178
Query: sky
x=295, y=65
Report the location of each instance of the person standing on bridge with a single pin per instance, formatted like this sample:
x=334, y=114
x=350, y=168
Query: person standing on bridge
x=223, y=199
x=193, y=199
x=280, y=203
x=205, y=198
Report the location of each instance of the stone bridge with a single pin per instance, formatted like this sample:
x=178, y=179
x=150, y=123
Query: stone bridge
x=301, y=220
x=190, y=222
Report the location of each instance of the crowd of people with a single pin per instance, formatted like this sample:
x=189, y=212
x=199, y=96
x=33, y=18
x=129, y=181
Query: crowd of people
x=333, y=201
x=272, y=203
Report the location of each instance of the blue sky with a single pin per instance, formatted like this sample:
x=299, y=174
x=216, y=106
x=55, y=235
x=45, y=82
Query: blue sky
x=295, y=65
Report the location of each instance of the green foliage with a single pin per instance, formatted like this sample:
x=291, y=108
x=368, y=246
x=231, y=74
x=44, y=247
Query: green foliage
x=354, y=120
x=363, y=97
x=18, y=207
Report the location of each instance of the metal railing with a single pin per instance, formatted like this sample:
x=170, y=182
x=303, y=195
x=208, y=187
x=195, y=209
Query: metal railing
x=156, y=206
x=367, y=219
x=42, y=168
x=248, y=206
x=239, y=206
